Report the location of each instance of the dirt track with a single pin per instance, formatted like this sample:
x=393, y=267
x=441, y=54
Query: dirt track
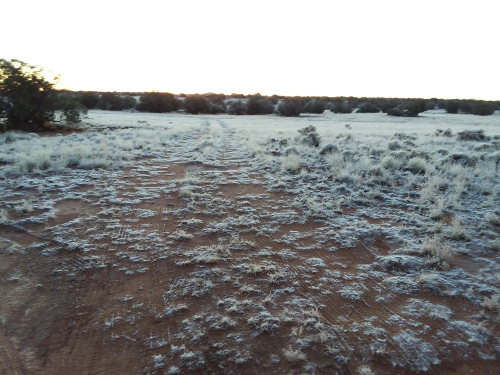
x=208, y=267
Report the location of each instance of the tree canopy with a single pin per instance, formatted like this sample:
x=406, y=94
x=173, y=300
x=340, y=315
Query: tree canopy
x=29, y=100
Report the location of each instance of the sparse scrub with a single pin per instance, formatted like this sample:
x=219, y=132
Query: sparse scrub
x=293, y=355
x=457, y=230
x=461, y=158
x=471, y=135
x=292, y=163
x=234, y=250
x=394, y=145
x=491, y=303
x=434, y=249
x=417, y=165
x=180, y=235
x=492, y=218
x=309, y=136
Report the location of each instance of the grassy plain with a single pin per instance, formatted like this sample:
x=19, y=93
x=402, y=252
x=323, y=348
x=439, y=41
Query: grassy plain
x=225, y=244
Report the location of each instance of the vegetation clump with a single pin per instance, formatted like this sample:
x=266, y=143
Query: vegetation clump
x=309, y=136
x=29, y=101
x=156, y=102
x=471, y=135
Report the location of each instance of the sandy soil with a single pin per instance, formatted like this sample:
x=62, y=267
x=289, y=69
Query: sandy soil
x=172, y=265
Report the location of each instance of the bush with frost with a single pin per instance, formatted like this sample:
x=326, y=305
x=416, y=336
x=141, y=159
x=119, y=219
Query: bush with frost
x=417, y=165
x=329, y=149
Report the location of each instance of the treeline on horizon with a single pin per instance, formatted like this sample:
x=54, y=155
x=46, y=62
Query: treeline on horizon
x=257, y=104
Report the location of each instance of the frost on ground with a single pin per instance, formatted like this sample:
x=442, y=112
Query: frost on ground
x=172, y=244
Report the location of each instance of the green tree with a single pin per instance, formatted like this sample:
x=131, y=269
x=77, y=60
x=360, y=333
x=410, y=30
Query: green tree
x=29, y=100
x=196, y=104
x=70, y=109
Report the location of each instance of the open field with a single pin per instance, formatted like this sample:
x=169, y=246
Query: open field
x=169, y=244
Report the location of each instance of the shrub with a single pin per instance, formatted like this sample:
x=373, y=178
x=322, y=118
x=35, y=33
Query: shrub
x=237, y=107
x=309, y=136
x=315, y=106
x=471, y=135
x=29, y=100
x=432, y=248
x=292, y=163
x=71, y=110
x=395, y=112
x=89, y=99
x=291, y=151
x=329, y=149
x=342, y=106
x=156, y=102
x=307, y=129
x=369, y=107
x=111, y=101
x=483, y=108
x=196, y=104
x=452, y=106
x=377, y=151
x=408, y=108
x=444, y=133
x=258, y=105
x=417, y=165
x=389, y=162
x=458, y=230
x=394, y=145
x=291, y=107
x=462, y=158
x=492, y=218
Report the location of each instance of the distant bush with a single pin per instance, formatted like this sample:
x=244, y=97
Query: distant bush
x=196, y=104
x=156, y=102
x=369, y=107
x=483, y=108
x=342, y=106
x=432, y=104
x=111, y=101
x=237, y=107
x=474, y=107
x=452, y=106
x=315, y=106
x=259, y=105
x=89, y=99
x=408, y=108
x=291, y=107
x=395, y=112
x=216, y=103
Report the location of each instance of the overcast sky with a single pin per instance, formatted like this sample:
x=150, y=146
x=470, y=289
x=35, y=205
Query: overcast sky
x=438, y=48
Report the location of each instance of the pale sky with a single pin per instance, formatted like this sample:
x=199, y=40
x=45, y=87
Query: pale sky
x=437, y=48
